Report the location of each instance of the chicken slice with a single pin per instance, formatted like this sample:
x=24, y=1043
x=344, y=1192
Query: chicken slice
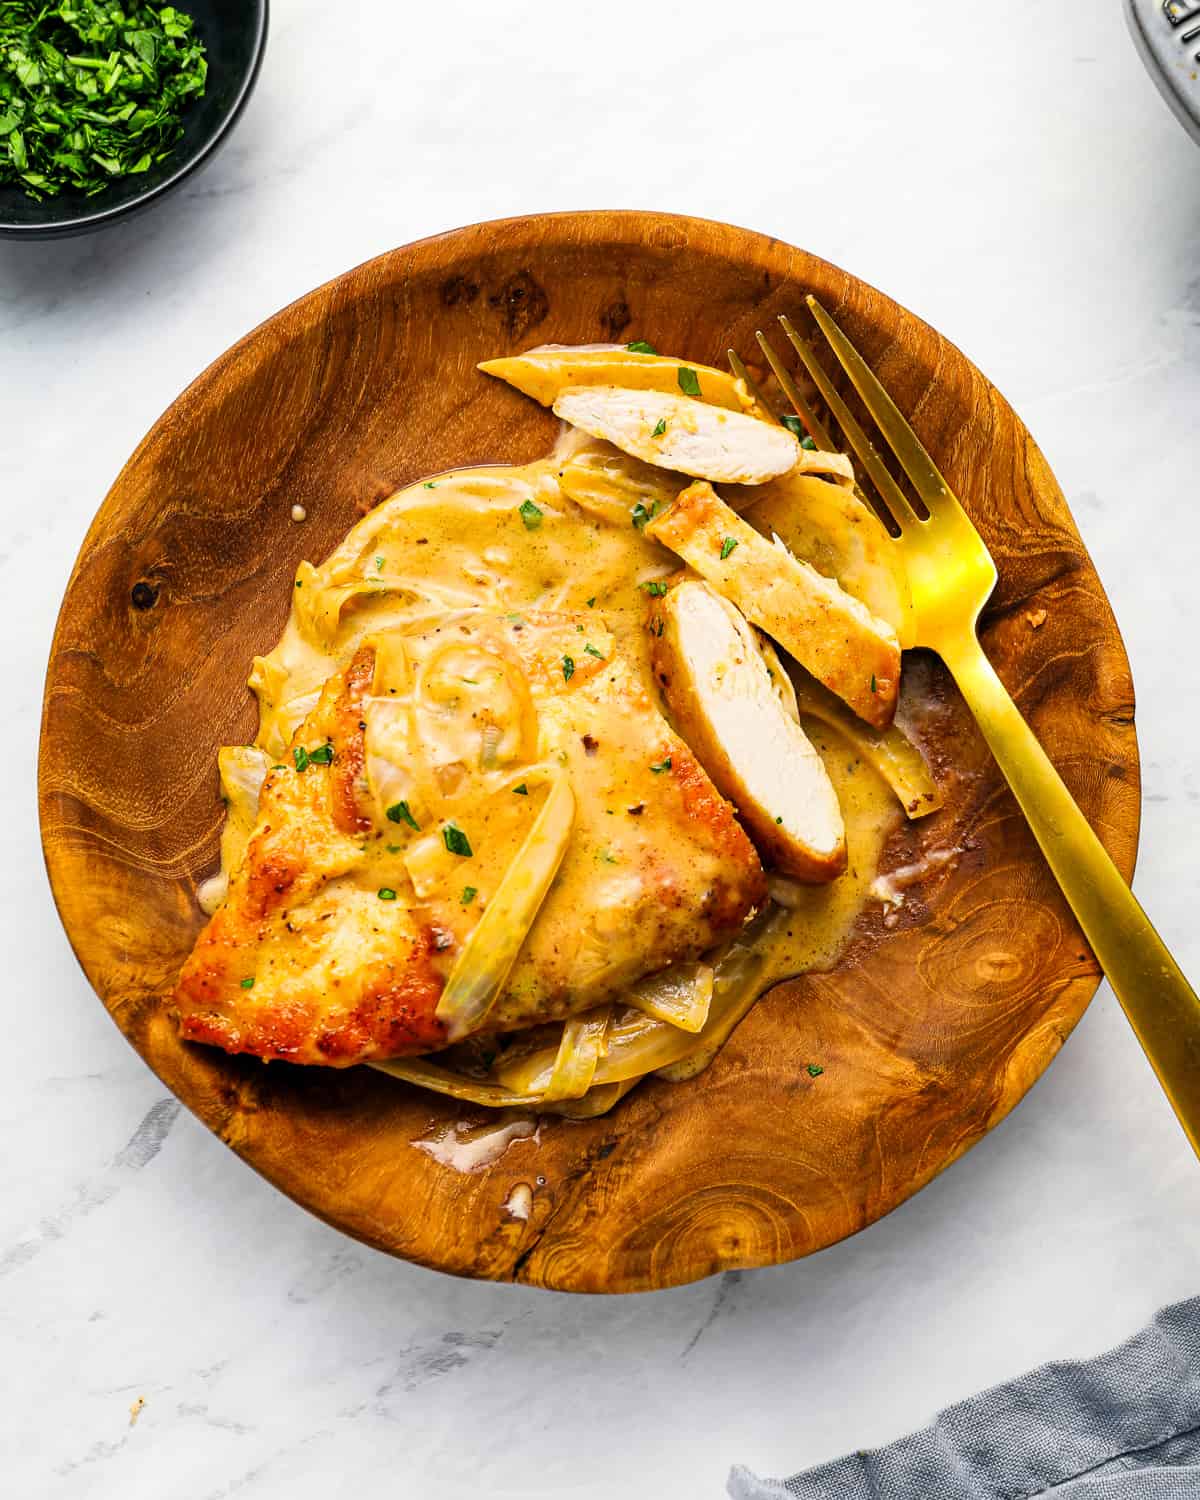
x=544, y=373
x=677, y=432
x=833, y=635
x=722, y=701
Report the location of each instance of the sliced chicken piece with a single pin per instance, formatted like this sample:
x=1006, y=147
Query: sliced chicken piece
x=678, y=432
x=545, y=373
x=832, y=634
x=722, y=701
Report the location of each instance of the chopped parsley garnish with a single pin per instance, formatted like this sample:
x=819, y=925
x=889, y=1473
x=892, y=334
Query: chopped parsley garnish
x=640, y=346
x=872, y=681
x=659, y=631
x=469, y=894
x=591, y=604
x=659, y=427
x=530, y=514
x=779, y=820
x=655, y=588
x=400, y=812
x=300, y=756
x=727, y=546
x=248, y=984
x=90, y=92
x=521, y=791
x=379, y=564
x=568, y=668
x=815, y=1070
x=456, y=840
x=386, y=893
x=663, y=765
x=321, y=756
x=591, y=651
x=689, y=381
x=809, y=443
x=430, y=484
x=639, y=515
x=794, y=425
x=393, y=848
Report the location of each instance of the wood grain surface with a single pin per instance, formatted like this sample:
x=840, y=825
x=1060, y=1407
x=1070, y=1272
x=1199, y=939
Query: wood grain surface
x=928, y=1033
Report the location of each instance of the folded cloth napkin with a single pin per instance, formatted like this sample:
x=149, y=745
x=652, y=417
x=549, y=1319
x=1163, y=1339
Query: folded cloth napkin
x=1125, y=1426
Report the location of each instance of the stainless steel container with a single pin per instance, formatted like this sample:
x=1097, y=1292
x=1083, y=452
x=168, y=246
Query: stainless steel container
x=1167, y=33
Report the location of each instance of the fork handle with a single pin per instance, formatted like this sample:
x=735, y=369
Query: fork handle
x=1159, y=1003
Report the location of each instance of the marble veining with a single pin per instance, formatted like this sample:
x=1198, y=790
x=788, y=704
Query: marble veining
x=1024, y=190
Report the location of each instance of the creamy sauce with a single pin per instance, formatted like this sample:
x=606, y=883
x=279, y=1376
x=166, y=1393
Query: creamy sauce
x=507, y=540
x=468, y=1148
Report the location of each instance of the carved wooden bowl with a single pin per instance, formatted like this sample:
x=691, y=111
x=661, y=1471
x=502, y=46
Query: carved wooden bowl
x=930, y=1030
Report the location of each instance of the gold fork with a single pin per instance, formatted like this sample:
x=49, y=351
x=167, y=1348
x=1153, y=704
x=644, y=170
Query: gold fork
x=952, y=575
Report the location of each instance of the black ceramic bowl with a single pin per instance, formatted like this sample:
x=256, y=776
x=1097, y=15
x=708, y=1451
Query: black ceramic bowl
x=234, y=33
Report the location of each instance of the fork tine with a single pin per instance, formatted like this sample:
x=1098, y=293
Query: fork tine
x=791, y=390
x=740, y=372
x=889, y=491
x=903, y=441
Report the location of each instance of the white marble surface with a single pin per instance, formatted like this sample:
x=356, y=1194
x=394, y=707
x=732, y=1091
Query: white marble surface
x=1010, y=175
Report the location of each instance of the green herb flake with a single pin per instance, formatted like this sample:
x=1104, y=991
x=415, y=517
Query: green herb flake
x=469, y=894
x=456, y=840
x=793, y=425
x=591, y=604
x=385, y=893
x=568, y=664
x=659, y=631
x=321, y=756
x=300, y=757
x=659, y=427
x=655, y=588
x=809, y=444
x=779, y=820
x=393, y=848
x=815, y=1070
x=639, y=515
x=640, y=346
x=689, y=381
x=663, y=765
x=530, y=514
x=248, y=983
x=379, y=564
x=91, y=91
x=400, y=812
x=521, y=791
x=591, y=651
x=872, y=681
x=430, y=485
x=727, y=546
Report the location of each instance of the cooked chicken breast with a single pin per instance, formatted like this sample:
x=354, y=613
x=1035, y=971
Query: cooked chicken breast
x=544, y=373
x=719, y=692
x=830, y=633
x=377, y=849
x=679, y=432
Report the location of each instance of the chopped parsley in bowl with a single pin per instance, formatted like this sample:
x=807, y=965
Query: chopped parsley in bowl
x=105, y=106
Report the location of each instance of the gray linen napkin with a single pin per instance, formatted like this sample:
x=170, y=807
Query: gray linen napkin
x=1125, y=1426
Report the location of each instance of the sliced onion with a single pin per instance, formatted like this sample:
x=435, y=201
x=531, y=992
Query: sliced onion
x=582, y=1045
x=486, y=960
x=680, y=995
x=891, y=752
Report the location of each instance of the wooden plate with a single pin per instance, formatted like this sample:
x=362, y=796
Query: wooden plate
x=929, y=1033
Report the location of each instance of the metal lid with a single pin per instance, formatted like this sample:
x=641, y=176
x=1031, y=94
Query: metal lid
x=1168, y=36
